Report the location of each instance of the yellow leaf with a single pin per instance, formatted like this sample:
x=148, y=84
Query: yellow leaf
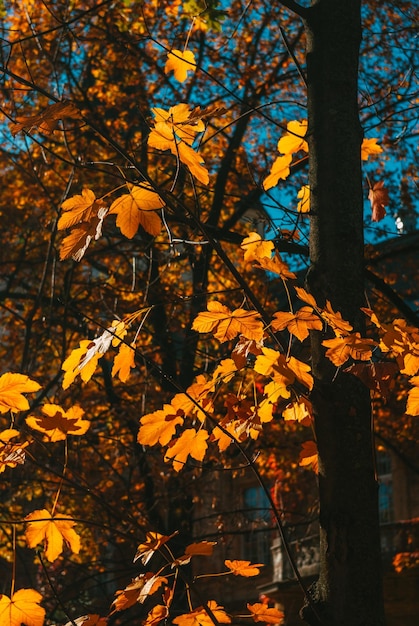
x=298, y=324
x=262, y=613
x=12, y=386
x=306, y=297
x=191, y=443
x=76, y=363
x=335, y=320
x=22, y=608
x=224, y=371
x=57, y=423
x=79, y=208
x=279, y=170
x=255, y=247
x=193, y=161
x=370, y=147
x=11, y=454
x=341, y=348
x=301, y=371
x=304, y=194
x=153, y=542
x=124, y=362
x=309, y=456
x=243, y=568
x=226, y=324
x=200, y=617
x=412, y=407
x=160, y=426
x=277, y=266
x=180, y=63
x=132, y=211
x=43, y=528
x=293, y=140
x=300, y=411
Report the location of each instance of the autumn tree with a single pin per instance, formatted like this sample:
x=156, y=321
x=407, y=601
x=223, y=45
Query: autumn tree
x=133, y=285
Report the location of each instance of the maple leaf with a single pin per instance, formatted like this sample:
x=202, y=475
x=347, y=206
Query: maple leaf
x=22, y=608
x=193, y=161
x=243, y=348
x=226, y=324
x=47, y=120
x=159, y=426
x=12, y=386
x=52, y=531
x=262, y=613
x=298, y=324
x=201, y=548
x=124, y=362
x=370, y=147
x=309, y=456
x=190, y=443
x=156, y=615
x=88, y=620
x=304, y=195
x=255, y=247
x=306, y=297
x=277, y=266
x=180, y=63
x=279, y=170
x=225, y=370
x=79, y=208
x=133, y=210
x=334, y=320
x=153, y=542
x=57, y=423
x=138, y=590
x=379, y=199
x=340, y=349
x=76, y=243
x=200, y=617
x=300, y=411
x=301, y=371
x=11, y=454
x=412, y=406
x=293, y=140
x=243, y=568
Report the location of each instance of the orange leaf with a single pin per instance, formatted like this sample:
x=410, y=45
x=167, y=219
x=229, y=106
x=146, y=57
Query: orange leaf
x=133, y=208
x=190, y=443
x=293, y=140
x=340, y=349
x=159, y=426
x=226, y=324
x=57, y=423
x=79, y=208
x=301, y=371
x=306, y=297
x=262, y=613
x=304, y=194
x=193, y=161
x=334, y=320
x=180, y=63
x=298, y=324
x=153, y=542
x=156, y=615
x=412, y=407
x=379, y=199
x=22, y=608
x=309, y=456
x=124, y=362
x=300, y=411
x=200, y=617
x=42, y=527
x=12, y=386
x=255, y=247
x=47, y=120
x=138, y=590
x=370, y=147
x=277, y=266
x=201, y=548
x=243, y=568
x=77, y=242
x=88, y=620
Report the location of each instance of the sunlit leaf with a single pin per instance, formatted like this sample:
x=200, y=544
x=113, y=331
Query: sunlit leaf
x=200, y=616
x=340, y=349
x=159, y=426
x=226, y=324
x=12, y=386
x=298, y=324
x=280, y=170
x=11, y=454
x=309, y=456
x=255, y=247
x=137, y=591
x=133, y=209
x=293, y=140
x=52, y=532
x=304, y=196
x=262, y=613
x=190, y=443
x=243, y=568
x=180, y=63
x=57, y=423
x=370, y=147
x=79, y=208
x=22, y=608
x=153, y=542
x=124, y=362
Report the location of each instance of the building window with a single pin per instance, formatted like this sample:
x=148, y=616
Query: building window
x=257, y=540
x=385, y=489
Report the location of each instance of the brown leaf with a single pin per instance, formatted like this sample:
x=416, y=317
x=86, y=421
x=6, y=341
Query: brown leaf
x=47, y=120
x=379, y=199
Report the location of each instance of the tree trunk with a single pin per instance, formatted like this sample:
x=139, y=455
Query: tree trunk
x=348, y=591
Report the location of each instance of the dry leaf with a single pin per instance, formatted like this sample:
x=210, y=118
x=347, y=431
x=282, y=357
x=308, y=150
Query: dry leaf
x=76, y=243
x=159, y=426
x=57, y=423
x=309, y=456
x=47, y=120
x=190, y=443
x=153, y=542
x=226, y=324
x=298, y=324
x=262, y=613
x=200, y=617
x=11, y=454
x=379, y=199
x=340, y=349
x=51, y=531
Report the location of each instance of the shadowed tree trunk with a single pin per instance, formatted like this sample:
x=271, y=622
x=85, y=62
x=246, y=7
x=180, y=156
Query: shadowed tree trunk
x=348, y=591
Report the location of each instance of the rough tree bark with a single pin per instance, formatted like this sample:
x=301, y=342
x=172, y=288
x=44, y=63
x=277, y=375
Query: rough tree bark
x=349, y=589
